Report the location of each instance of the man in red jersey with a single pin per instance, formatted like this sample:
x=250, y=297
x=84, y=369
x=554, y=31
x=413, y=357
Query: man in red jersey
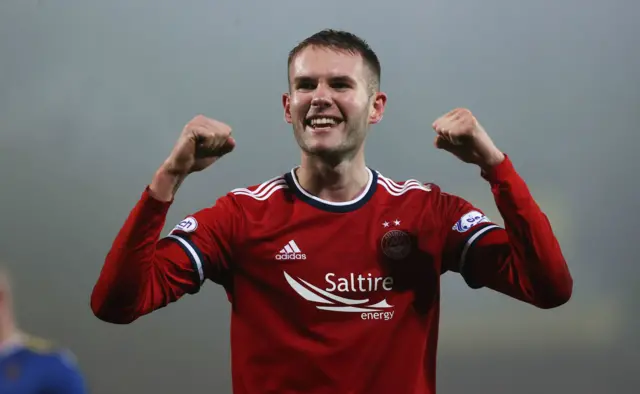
x=332, y=269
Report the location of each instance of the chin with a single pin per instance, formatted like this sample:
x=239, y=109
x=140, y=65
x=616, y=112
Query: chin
x=332, y=153
x=326, y=145
x=321, y=149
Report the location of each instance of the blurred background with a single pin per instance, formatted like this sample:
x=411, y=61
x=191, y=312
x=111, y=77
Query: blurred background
x=94, y=94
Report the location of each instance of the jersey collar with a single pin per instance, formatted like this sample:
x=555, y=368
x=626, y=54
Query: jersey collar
x=331, y=206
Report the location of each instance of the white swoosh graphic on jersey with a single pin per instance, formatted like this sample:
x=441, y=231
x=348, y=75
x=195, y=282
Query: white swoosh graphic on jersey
x=348, y=309
x=381, y=304
x=309, y=296
x=306, y=294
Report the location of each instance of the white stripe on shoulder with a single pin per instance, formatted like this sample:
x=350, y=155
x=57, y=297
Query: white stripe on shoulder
x=265, y=190
x=396, y=189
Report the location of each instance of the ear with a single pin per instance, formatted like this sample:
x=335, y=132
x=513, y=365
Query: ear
x=286, y=103
x=377, y=107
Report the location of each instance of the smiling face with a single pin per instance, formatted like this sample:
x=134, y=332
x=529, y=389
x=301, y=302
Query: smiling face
x=332, y=101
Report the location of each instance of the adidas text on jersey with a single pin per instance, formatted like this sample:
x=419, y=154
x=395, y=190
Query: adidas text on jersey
x=291, y=252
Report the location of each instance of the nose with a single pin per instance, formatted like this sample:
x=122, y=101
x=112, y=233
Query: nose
x=321, y=96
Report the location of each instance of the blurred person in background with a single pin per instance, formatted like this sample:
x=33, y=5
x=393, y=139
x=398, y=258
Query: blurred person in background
x=29, y=364
x=332, y=269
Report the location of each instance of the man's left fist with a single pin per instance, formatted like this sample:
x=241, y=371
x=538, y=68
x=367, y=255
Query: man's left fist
x=459, y=133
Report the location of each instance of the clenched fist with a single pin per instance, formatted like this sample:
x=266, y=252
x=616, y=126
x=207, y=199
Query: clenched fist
x=459, y=133
x=202, y=142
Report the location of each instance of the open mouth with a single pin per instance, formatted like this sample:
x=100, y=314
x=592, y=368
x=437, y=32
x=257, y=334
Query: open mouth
x=322, y=122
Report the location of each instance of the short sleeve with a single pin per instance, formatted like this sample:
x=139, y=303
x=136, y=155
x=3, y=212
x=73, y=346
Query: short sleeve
x=463, y=225
x=207, y=237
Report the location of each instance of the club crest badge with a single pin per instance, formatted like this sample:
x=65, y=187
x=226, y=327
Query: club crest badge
x=396, y=244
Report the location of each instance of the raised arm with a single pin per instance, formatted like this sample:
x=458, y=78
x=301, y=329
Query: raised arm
x=524, y=260
x=143, y=272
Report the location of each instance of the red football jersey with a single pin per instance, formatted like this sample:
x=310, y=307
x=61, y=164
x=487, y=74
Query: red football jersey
x=326, y=297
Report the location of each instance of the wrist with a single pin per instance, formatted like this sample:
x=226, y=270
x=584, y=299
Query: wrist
x=491, y=160
x=165, y=183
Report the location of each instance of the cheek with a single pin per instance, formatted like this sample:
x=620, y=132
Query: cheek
x=298, y=104
x=355, y=105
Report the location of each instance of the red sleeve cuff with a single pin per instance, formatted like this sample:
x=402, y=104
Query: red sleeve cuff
x=500, y=172
x=152, y=203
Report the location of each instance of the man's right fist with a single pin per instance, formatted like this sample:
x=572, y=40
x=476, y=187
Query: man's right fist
x=202, y=142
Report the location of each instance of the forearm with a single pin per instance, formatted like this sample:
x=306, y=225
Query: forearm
x=526, y=260
x=165, y=184
x=120, y=294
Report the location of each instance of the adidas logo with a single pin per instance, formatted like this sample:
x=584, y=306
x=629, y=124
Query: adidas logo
x=291, y=252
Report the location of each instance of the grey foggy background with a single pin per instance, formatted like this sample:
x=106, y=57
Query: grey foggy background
x=93, y=95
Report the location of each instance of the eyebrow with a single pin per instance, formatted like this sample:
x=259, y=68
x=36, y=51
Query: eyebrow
x=336, y=78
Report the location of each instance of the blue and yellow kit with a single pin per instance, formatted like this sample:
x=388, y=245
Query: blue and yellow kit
x=30, y=365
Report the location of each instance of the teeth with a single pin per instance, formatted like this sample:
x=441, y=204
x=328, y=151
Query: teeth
x=323, y=122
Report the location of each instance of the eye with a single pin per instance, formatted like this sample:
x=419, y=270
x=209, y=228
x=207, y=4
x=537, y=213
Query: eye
x=306, y=85
x=340, y=85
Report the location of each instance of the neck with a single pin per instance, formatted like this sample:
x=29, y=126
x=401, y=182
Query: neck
x=336, y=182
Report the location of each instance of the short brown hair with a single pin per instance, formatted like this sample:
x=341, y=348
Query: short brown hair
x=342, y=41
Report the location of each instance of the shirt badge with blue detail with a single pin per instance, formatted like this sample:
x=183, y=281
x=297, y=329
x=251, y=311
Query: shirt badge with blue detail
x=469, y=220
x=187, y=225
